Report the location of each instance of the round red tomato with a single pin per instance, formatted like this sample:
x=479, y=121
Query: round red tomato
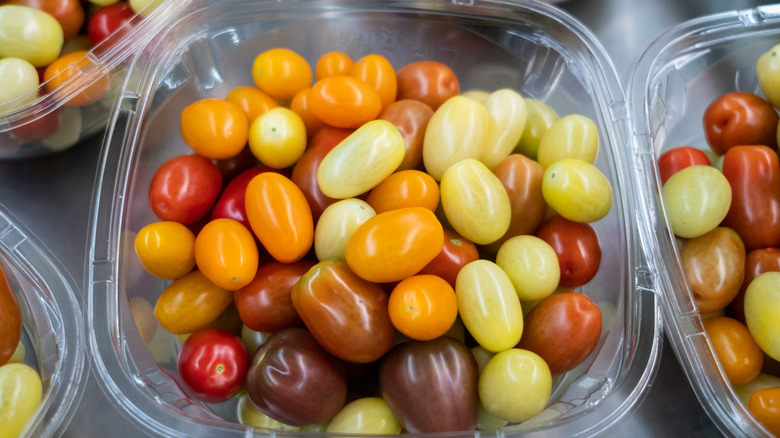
x=679, y=158
x=577, y=247
x=455, y=254
x=740, y=118
x=184, y=189
x=107, y=20
x=213, y=364
x=563, y=329
x=430, y=82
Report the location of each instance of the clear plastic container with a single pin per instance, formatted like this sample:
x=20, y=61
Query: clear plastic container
x=53, y=326
x=208, y=48
x=679, y=75
x=44, y=121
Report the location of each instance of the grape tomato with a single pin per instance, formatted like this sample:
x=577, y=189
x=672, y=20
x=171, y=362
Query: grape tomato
x=29, y=34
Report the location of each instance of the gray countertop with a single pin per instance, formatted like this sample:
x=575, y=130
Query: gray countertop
x=52, y=196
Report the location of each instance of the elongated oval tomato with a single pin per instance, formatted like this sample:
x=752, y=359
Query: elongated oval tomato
x=362, y=160
x=231, y=203
x=337, y=225
x=226, y=253
x=280, y=216
x=395, y=244
x=190, y=303
x=376, y=71
x=407, y=188
x=10, y=320
x=506, y=115
x=344, y=101
x=753, y=173
x=577, y=190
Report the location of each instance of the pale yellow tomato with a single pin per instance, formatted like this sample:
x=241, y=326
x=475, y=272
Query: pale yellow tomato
x=249, y=414
x=166, y=249
x=367, y=415
x=572, y=136
x=18, y=77
x=515, y=385
x=762, y=307
x=29, y=34
x=20, y=394
x=277, y=137
x=696, y=199
x=506, y=116
x=577, y=190
x=337, y=224
x=531, y=264
x=768, y=74
x=488, y=305
x=539, y=118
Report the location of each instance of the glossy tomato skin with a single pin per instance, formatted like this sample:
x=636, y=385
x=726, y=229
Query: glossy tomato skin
x=230, y=204
x=10, y=320
x=107, y=20
x=411, y=118
x=757, y=262
x=185, y=188
x=292, y=379
x=265, y=304
x=739, y=355
x=679, y=158
x=577, y=247
x=456, y=253
x=563, y=329
x=345, y=313
x=69, y=13
x=430, y=82
x=764, y=404
x=431, y=386
x=740, y=118
x=753, y=173
x=226, y=253
x=213, y=364
x=344, y=101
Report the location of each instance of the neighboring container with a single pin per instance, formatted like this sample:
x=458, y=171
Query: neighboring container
x=207, y=48
x=43, y=122
x=681, y=73
x=53, y=323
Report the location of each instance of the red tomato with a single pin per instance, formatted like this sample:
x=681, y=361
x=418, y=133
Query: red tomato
x=107, y=20
x=38, y=128
x=679, y=158
x=304, y=174
x=265, y=304
x=213, y=364
x=753, y=173
x=739, y=118
x=562, y=328
x=455, y=254
x=738, y=353
x=10, y=320
x=411, y=118
x=757, y=262
x=231, y=202
x=577, y=247
x=430, y=82
x=231, y=167
x=184, y=189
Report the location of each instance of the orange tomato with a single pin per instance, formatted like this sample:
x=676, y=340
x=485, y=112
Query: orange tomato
x=214, y=128
x=281, y=73
x=252, y=101
x=301, y=105
x=166, y=249
x=333, y=64
x=423, y=307
x=376, y=70
x=280, y=216
x=190, y=303
x=395, y=244
x=737, y=351
x=764, y=404
x=407, y=188
x=70, y=64
x=344, y=102
x=226, y=253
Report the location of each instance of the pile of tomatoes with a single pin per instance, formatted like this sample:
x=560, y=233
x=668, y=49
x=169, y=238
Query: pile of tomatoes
x=724, y=205
x=394, y=248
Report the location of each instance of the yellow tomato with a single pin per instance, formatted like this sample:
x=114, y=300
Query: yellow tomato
x=166, y=249
x=531, y=264
x=376, y=71
x=572, y=136
x=214, y=128
x=539, y=118
x=191, y=303
x=762, y=305
x=20, y=394
x=577, y=190
x=337, y=224
x=515, y=385
x=278, y=137
x=30, y=34
x=226, y=253
x=506, y=116
x=333, y=64
x=251, y=100
x=281, y=73
x=696, y=199
x=366, y=415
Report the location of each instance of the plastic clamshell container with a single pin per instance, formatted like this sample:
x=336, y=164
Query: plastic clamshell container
x=53, y=326
x=208, y=48
x=45, y=121
x=679, y=75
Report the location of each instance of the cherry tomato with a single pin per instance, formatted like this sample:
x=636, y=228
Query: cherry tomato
x=679, y=158
x=366, y=415
x=265, y=304
x=184, y=189
x=344, y=102
x=532, y=265
x=190, y=303
x=21, y=391
x=506, y=114
x=333, y=64
x=281, y=73
x=696, y=199
x=577, y=246
x=423, y=307
x=304, y=174
x=764, y=404
x=166, y=249
x=457, y=131
x=226, y=253
x=515, y=385
x=337, y=225
x=571, y=136
x=280, y=216
x=376, y=71
x=430, y=82
x=231, y=203
x=739, y=355
x=251, y=100
x=740, y=118
x=456, y=253
x=539, y=118
x=68, y=65
x=757, y=262
x=10, y=320
x=69, y=13
x=762, y=304
x=577, y=190
x=30, y=34
x=395, y=244
x=231, y=167
x=214, y=128
x=411, y=118
x=301, y=105
x=767, y=67
x=278, y=137
x=106, y=20
x=753, y=173
x=213, y=364
x=407, y=188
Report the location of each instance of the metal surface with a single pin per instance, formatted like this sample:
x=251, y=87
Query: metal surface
x=52, y=197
